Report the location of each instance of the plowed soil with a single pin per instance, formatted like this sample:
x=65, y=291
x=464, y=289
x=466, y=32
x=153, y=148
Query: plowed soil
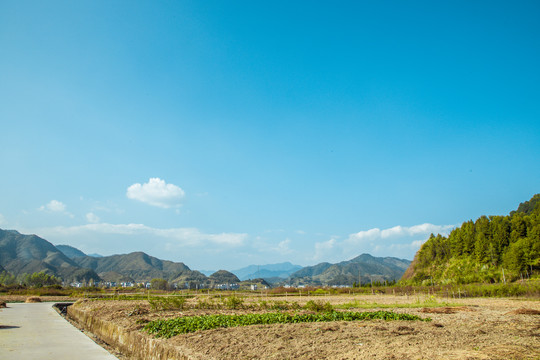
x=468, y=329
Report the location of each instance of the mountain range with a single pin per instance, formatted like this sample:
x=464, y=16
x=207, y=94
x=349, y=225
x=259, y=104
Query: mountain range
x=362, y=269
x=21, y=254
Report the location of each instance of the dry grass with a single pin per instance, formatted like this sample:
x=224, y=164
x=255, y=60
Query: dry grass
x=33, y=299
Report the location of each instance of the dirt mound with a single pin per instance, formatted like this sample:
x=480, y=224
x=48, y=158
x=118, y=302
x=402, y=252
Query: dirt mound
x=33, y=299
x=446, y=310
x=524, y=311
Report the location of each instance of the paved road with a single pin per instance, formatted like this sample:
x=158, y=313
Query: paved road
x=37, y=331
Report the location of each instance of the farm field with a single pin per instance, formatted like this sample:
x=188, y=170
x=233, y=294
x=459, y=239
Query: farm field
x=472, y=328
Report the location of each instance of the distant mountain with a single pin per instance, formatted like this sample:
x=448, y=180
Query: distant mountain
x=95, y=255
x=281, y=270
x=29, y=253
x=21, y=254
x=364, y=268
x=137, y=265
x=311, y=271
x=70, y=251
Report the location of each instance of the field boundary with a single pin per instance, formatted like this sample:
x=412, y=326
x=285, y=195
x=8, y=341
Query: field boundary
x=134, y=344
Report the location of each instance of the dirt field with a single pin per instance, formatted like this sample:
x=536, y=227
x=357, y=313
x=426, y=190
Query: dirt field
x=469, y=329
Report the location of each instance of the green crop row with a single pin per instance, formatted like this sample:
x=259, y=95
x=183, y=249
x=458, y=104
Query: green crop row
x=187, y=324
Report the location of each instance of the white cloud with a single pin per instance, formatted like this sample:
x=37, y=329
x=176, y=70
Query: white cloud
x=54, y=206
x=417, y=244
x=394, y=248
x=398, y=241
x=366, y=235
x=92, y=218
x=323, y=250
x=183, y=236
x=156, y=193
x=398, y=231
x=2, y=220
x=416, y=229
x=283, y=247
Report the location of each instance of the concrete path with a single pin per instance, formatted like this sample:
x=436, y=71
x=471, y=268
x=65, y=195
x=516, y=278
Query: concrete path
x=37, y=331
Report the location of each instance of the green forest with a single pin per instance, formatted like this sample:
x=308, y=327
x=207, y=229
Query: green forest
x=491, y=249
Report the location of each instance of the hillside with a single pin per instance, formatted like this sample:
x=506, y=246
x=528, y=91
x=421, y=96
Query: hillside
x=70, y=251
x=310, y=271
x=191, y=278
x=491, y=249
x=223, y=277
x=137, y=265
x=20, y=254
x=364, y=268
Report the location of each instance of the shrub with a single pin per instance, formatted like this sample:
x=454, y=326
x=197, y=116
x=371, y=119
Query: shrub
x=319, y=292
x=159, y=284
x=318, y=306
x=280, y=305
x=203, y=303
x=233, y=302
x=167, y=303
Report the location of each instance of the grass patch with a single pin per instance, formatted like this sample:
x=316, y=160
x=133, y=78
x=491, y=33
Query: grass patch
x=430, y=302
x=187, y=324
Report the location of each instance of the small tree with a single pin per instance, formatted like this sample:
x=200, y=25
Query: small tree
x=7, y=279
x=159, y=284
x=40, y=279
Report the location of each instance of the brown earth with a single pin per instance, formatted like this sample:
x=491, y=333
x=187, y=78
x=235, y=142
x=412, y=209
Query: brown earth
x=33, y=299
x=466, y=329
x=22, y=298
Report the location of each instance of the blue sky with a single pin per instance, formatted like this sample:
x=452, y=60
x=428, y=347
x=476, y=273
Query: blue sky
x=223, y=134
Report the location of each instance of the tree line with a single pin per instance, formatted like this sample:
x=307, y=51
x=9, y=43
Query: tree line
x=37, y=279
x=484, y=249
